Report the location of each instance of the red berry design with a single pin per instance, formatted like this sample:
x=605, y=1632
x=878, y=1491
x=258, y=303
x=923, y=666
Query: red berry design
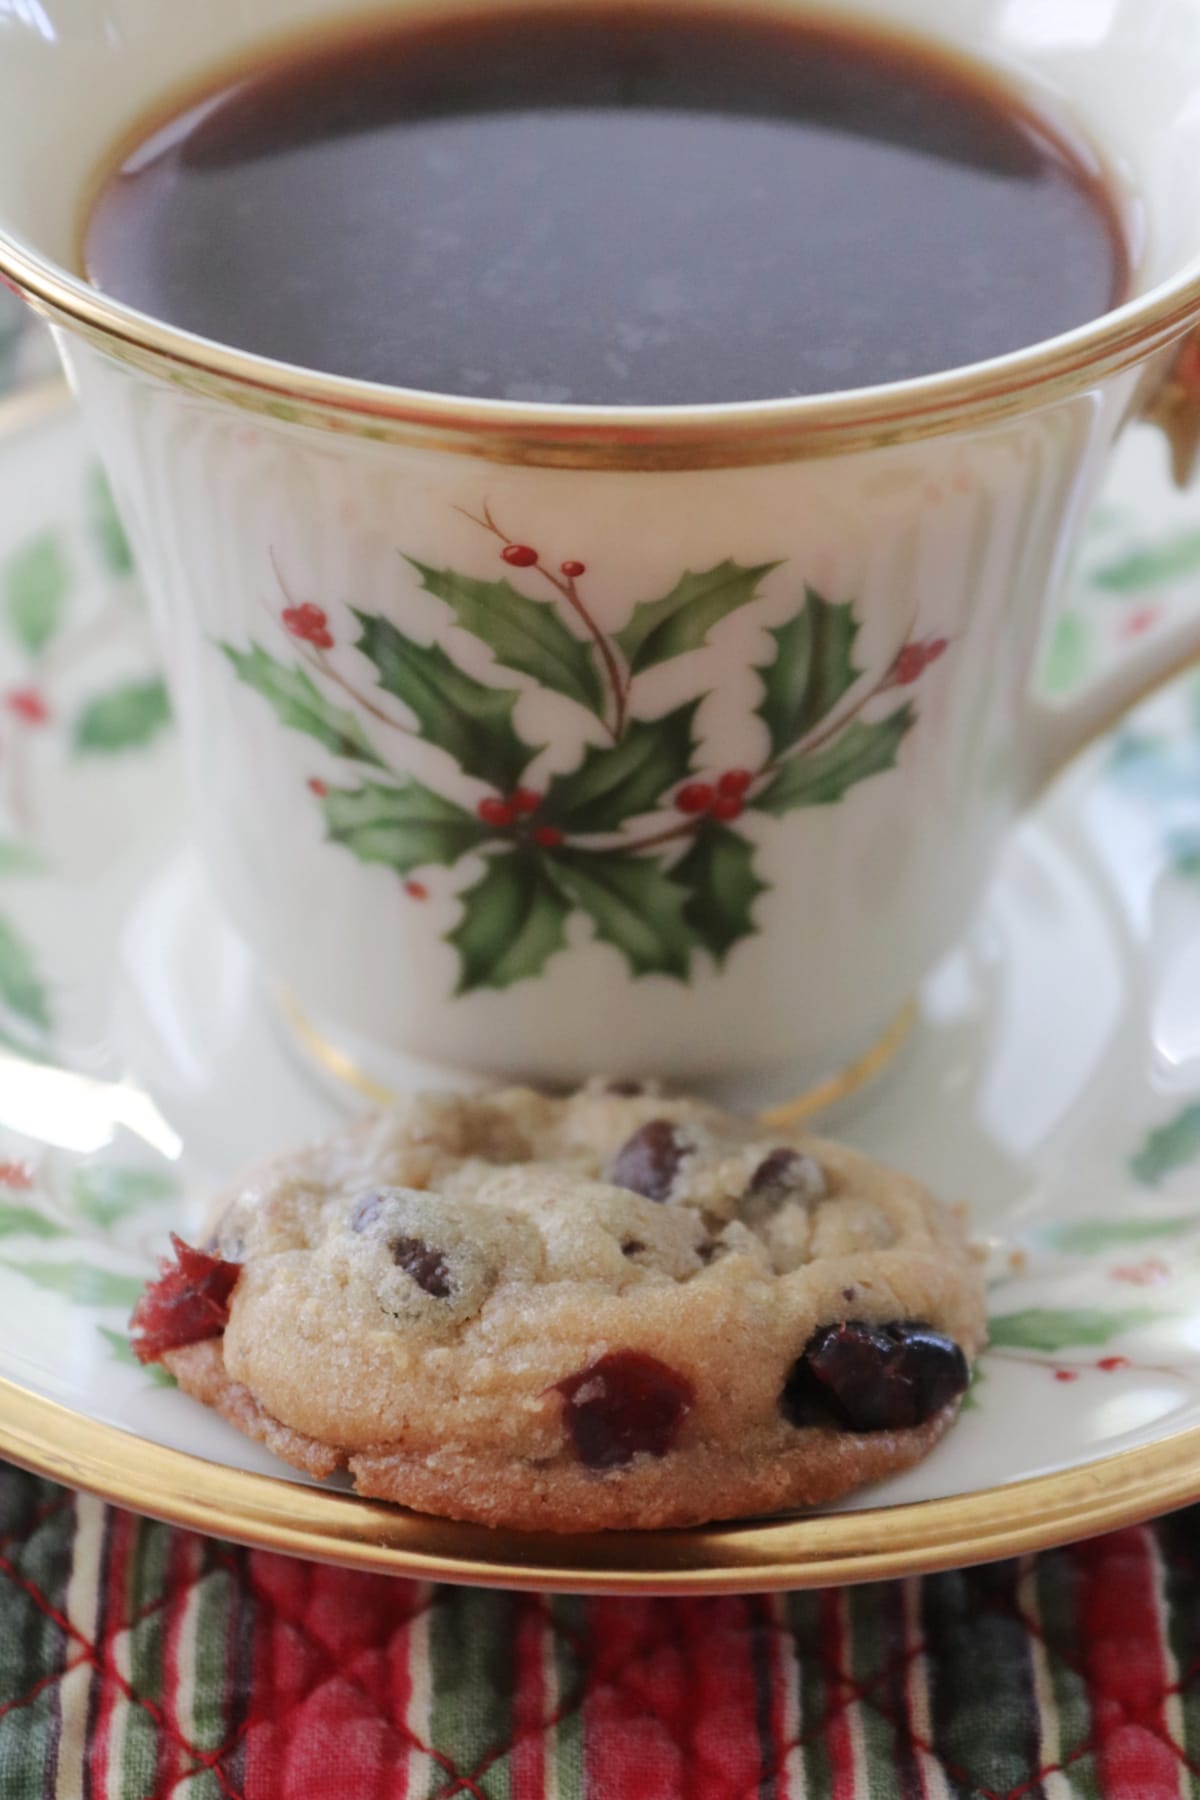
x=910, y=664
x=1109, y=1363
x=416, y=890
x=573, y=570
x=27, y=704
x=494, y=811
x=1143, y=619
x=1066, y=1374
x=310, y=624
x=15, y=1175
x=694, y=797
x=914, y=659
x=734, y=782
x=525, y=800
x=520, y=556
x=549, y=837
x=726, y=807
x=317, y=786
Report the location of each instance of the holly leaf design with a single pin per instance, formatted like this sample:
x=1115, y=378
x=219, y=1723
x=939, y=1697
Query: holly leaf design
x=1070, y=655
x=125, y=719
x=812, y=669
x=513, y=921
x=522, y=634
x=619, y=781
x=1183, y=852
x=718, y=872
x=681, y=620
x=22, y=993
x=825, y=776
x=403, y=826
x=1168, y=1148
x=81, y=1282
x=36, y=584
x=123, y=1352
x=300, y=705
x=1085, y=1237
x=471, y=722
x=1150, y=565
x=105, y=1194
x=107, y=527
x=24, y=1221
x=633, y=904
x=19, y=859
x=1041, y=1329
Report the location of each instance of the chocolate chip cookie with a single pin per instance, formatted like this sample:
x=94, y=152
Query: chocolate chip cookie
x=610, y=1310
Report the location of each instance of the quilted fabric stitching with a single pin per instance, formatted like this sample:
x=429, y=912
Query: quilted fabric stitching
x=99, y=1660
x=851, y=1691
x=400, y=1726
x=847, y=1691
x=1091, y=1742
x=39, y=1688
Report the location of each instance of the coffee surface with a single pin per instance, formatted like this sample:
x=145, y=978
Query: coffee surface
x=616, y=206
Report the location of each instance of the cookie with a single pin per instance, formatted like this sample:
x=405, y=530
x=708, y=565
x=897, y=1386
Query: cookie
x=609, y=1310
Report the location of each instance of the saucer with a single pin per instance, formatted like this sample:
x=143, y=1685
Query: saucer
x=1051, y=1082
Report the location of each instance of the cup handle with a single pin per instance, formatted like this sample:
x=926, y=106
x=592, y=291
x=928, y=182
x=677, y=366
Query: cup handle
x=1168, y=397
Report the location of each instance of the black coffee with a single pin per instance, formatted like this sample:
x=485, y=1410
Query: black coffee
x=619, y=206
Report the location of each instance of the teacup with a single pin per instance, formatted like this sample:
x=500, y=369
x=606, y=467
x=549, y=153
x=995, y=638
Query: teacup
x=538, y=740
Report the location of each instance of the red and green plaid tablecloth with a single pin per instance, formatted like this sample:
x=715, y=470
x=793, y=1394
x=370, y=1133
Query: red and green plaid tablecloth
x=139, y=1662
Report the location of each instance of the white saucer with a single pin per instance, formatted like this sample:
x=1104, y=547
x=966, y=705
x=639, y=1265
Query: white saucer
x=1052, y=1081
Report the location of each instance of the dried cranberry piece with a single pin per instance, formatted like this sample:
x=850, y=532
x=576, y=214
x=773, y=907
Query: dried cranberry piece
x=648, y=1162
x=623, y=1405
x=187, y=1302
x=427, y=1266
x=874, y=1377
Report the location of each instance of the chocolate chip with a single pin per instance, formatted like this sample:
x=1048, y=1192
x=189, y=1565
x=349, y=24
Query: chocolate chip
x=427, y=1266
x=874, y=1377
x=632, y=1247
x=787, y=1174
x=624, y=1405
x=366, y=1212
x=648, y=1162
x=626, y=1089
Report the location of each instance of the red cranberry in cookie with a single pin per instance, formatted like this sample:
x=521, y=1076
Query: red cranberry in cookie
x=874, y=1377
x=625, y=1404
x=187, y=1302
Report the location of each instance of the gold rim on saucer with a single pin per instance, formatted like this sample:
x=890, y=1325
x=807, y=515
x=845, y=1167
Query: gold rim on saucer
x=818, y=1550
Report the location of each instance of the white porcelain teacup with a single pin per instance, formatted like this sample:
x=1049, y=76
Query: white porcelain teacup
x=538, y=740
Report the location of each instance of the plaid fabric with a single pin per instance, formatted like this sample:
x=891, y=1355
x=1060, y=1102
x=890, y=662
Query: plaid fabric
x=138, y=1662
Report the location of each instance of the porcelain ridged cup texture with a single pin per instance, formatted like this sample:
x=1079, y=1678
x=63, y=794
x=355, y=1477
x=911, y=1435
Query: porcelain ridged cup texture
x=538, y=741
